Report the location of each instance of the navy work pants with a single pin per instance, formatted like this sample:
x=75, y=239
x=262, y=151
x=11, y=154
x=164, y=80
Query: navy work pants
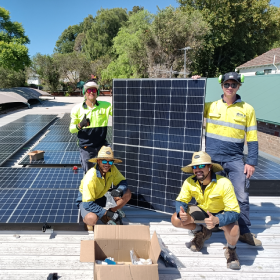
x=234, y=171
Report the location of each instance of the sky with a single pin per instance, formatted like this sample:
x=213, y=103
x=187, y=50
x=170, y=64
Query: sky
x=45, y=20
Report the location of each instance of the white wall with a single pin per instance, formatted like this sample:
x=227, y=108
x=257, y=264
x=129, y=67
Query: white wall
x=252, y=70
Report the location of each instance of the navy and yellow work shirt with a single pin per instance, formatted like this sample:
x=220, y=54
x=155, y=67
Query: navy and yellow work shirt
x=226, y=128
x=93, y=135
x=94, y=186
x=218, y=196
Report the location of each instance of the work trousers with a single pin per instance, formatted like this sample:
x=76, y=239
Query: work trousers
x=234, y=171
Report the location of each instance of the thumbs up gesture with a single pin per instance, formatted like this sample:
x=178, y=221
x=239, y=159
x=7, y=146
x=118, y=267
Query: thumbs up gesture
x=85, y=122
x=183, y=215
x=211, y=221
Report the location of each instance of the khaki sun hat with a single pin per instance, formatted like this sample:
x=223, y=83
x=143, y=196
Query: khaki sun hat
x=202, y=158
x=105, y=153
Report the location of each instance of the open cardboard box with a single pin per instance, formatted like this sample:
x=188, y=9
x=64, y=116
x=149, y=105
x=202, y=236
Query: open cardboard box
x=116, y=242
x=35, y=155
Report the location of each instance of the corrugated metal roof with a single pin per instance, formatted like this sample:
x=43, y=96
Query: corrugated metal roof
x=262, y=92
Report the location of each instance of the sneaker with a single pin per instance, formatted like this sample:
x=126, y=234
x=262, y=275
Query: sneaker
x=232, y=258
x=250, y=239
x=199, y=239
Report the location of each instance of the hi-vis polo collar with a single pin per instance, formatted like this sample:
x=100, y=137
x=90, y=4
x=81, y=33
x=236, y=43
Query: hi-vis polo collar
x=238, y=99
x=86, y=106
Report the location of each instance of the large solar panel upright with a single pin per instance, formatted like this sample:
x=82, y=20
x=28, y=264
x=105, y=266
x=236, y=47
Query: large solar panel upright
x=157, y=125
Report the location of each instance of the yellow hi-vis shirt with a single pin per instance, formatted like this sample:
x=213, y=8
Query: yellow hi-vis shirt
x=226, y=128
x=218, y=196
x=93, y=187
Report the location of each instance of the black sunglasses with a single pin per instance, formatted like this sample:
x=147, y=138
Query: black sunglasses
x=233, y=85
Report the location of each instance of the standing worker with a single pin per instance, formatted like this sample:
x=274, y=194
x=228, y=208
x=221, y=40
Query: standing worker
x=228, y=121
x=89, y=120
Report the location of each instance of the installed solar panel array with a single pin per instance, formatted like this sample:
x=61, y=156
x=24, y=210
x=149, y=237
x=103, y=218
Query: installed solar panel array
x=39, y=195
x=16, y=134
x=157, y=127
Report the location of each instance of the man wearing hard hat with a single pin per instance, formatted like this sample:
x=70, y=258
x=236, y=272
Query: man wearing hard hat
x=89, y=120
x=217, y=206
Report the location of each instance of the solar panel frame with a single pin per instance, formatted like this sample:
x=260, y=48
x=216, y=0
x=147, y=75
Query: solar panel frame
x=153, y=133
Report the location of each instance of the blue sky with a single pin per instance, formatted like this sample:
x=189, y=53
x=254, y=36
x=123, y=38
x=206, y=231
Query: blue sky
x=45, y=20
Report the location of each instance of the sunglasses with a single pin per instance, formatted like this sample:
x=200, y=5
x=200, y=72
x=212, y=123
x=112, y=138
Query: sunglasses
x=91, y=90
x=111, y=162
x=233, y=85
x=198, y=166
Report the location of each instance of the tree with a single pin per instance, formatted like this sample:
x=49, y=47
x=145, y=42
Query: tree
x=47, y=68
x=13, y=52
x=99, y=38
x=66, y=40
x=240, y=30
x=10, y=78
x=135, y=10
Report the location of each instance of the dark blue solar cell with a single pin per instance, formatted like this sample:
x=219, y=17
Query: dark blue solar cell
x=195, y=100
x=179, y=92
x=119, y=133
x=131, y=169
x=133, y=92
x=144, y=178
x=120, y=113
x=119, y=84
x=146, y=93
x=146, y=157
x=196, y=92
x=133, y=83
x=176, y=146
x=147, y=114
x=147, y=121
x=161, y=144
x=178, y=100
x=121, y=98
x=162, y=115
x=161, y=137
x=162, y=107
x=146, y=143
x=194, y=116
x=147, y=128
x=162, y=99
x=120, y=140
x=162, y=122
x=132, y=141
x=179, y=83
x=148, y=83
x=196, y=83
x=175, y=154
x=119, y=120
x=162, y=92
x=177, y=116
x=133, y=98
x=147, y=106
x=177, y=123
x=132, y=113
x=163, y=83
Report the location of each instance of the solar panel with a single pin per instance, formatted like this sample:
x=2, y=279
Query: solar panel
x=4, y=157
x=59, y=138
x=52, y=146
x=14, y=140
x=8, y=148
x=39, y=195
x=63, y=122
x=157, y=127
x=57, y=157
x=59, y=130
x=266, y=170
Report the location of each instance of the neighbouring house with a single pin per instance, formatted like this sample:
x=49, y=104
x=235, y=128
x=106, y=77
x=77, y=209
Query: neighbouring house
x=267, y=63
x=34, y=79
x=263, y=93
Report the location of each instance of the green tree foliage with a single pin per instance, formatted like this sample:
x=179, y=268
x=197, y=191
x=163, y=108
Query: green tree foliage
x=99, y=38
x=129, y=45
x=240, y=30
x=66, y=40
x=135, y=10
x=47, y=68
x=10, y=78
x=13, y=52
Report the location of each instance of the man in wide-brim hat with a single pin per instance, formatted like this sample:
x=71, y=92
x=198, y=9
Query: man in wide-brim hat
x=217, y=206
x=94, y=186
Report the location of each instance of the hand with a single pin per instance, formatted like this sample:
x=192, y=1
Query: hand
x=118, y=193
x=211, y=221
x=249, y=170
x=183, y=215
x=84, y=122
x=195, y=77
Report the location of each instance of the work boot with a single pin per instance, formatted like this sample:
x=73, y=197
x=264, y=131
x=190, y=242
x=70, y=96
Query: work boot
x=121, y=213
x=89, y=228
x=104, y=219
x=199, y=239
x=232, y=258
x=250, y=239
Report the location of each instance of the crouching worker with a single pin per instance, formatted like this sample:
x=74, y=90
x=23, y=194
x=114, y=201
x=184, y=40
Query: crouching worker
x=217, y=206
x=95, y=190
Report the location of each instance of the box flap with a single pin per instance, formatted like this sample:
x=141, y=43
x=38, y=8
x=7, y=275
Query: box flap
x=155, y=249
x=122, y=232
x=87, y=251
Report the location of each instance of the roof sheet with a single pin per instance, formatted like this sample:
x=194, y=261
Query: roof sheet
x=262, y=92
x=264, y=59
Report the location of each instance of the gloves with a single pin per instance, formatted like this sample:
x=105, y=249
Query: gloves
x=117, y=193
x=84, y=122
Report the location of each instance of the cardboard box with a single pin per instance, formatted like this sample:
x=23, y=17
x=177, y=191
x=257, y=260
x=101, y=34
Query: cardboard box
x=35, y=155
x=116, y=242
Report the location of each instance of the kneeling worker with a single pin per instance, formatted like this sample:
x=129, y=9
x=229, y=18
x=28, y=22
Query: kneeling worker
x=96, y=183
x=217, y=206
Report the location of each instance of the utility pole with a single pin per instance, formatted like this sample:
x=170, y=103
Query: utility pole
x=185, y=58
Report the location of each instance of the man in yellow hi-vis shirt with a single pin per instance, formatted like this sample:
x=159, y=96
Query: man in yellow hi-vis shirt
x=89, y=120
x=228, y=121
x=217, y=206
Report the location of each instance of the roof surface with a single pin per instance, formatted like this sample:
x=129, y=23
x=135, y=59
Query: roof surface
x=264, y=59
x=262, y=92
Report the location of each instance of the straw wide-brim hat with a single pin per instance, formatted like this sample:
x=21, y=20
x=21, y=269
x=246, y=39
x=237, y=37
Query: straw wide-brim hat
x=202, y=158
x=105, y=153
